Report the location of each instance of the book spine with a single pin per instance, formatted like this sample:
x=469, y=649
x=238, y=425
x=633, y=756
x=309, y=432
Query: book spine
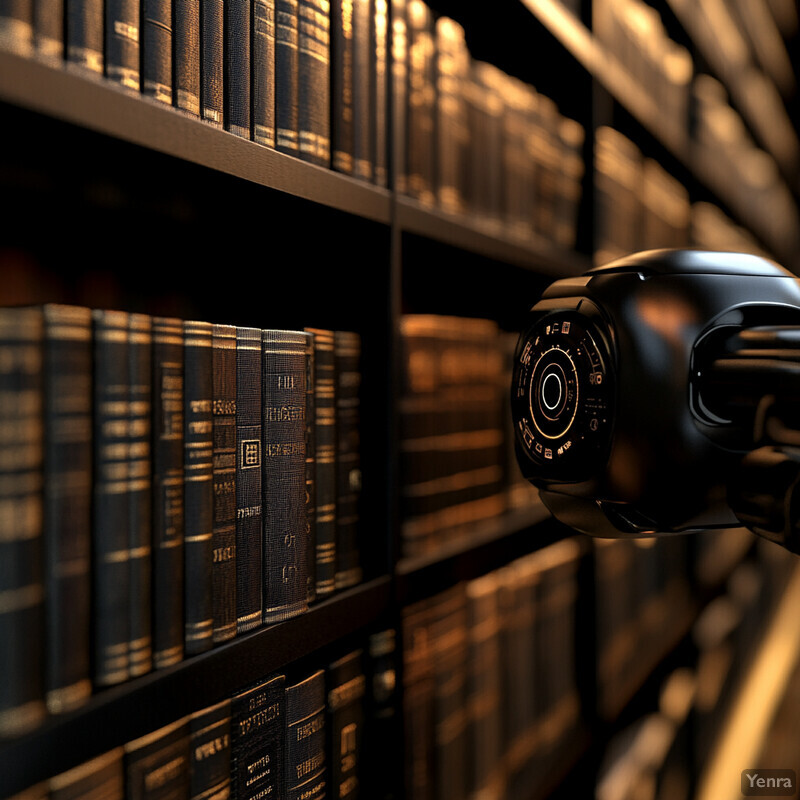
x=313, y=81
x=22, y=705
x=249, y=510
x=224, y=529
x=210, y=753
x=110, y=539
x=187, y=55
x=156, y=47
x=284, y=421
x=347, y=352
x=48, y=29
x=84, y=34
x=140, y=499
x=157, y=765
x=198, y=449
x=237, y=52
x=286, y=64
x=16, y=26
x=346, y=695
x=211, y=61
x=381, y=737
x=380, y=49
x=264, y=72
x=67, y=486
x=168, y=504
x=311, y=487
x=101, y=777
x=122, y=42
x=258, y=741
x=399, y=96
x=363, y=87
x=305, y=739
x=342, y=120
x=324, y=420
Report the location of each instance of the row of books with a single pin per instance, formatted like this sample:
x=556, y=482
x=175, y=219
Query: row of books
x=306, y=732
x=475, y=140
x=457, y=464
x=490, y=698
x=166, y=485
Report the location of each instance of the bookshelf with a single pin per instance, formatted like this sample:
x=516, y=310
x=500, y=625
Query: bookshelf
x=163, y=213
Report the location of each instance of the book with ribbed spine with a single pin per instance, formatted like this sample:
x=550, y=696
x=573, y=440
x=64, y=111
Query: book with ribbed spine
x=313, y=81
x=342, y=119
x=101, y=777
x=122, y=42
x=249, y=467
x=346, y=688
x=306, y=750
x=380, y=49
x=111, y=513
x=67, y=503
x=211, y=62
x=324, y=421
x=286, y=64
x=22, y=705
x=156, y=44
x=186, y=34
x=237, y=53
x=311, y=490
x=84, y=34
x=168, y=503
x=398, y=163
x=284, y=491
x=210, y=752
x=347, y=366
x=16, y=26
x=363, y=88
x=224, y=536
x=258, y=733
x=140, y=500
x=263, y=58
x=198, y=474
x=157, y=765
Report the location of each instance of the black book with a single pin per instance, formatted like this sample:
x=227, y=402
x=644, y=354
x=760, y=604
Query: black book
x=186, y=55
x=286, y=73
x=342, y=120
x=211, y=61
x=22, y=705
x=84, y=34
x=345, y=723
x=313, y=82
x=263, y=64
x=305, y=739
x=311, y=491
x=363, y=85
x=210, y=752
x=258, y=740
x=156, y=43
x=16, y=26
x=122, y=42
x=101, y=777
x=168, y=503
x=249, y=514
x=67, y=503
x=324, y=423
x=110, y=536
x=382, y=734
x=198, y=448
x=157, y=765
x=284, y=491
x=380, y=53
x=347, y=354
x=48, y=29
x=224, y=537
x=237, y=52
x=399, y=95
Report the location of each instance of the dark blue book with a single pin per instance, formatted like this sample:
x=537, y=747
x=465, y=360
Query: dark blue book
x=286, y=70
x=156, y=39
x=263, y=63
x=237, y=26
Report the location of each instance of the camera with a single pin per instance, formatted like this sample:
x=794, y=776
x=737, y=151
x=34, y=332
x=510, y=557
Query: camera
x=658, y=394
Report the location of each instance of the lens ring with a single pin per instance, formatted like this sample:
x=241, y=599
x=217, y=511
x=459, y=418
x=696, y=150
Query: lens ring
x=552, y=386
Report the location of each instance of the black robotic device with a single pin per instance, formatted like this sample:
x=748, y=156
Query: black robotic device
x=659, y=394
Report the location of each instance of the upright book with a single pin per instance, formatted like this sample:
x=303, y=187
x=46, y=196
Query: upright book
x=286, y=65
x=187, y=56
x=363, y=90
x=157, y=765
x=121, y=54
x=346, y=718
x=83, y=34
x=313, y=81
x=342, y=119
x=156, y=44
x=237, y=53
x=210, y=752
x=48, y=30
x=101, y=777
x=263, y=75
x=306, y=762
x=212, y=67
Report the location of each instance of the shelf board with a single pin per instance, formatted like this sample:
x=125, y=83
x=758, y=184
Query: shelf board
x=125, y=712
x=94, y=102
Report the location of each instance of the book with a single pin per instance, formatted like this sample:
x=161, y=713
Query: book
x=168, y=485
x=157, y=764
x=346, y=718
x=324, y=419
x=363, y=90
x=186, y=35
x=156, y=45
x=67, y=503
x=101, y=777
x=382, y=732
x=22, y=705
x=342, y=86
x=121, y=55
x=17, y=26
x=284, y=483
x=48, y=29
x=311, y=490
x=212, y=69
x=198, y=477
x=286, y=65
x=347, y=368
x=263, y=77
x=83, y=34
x=306, y=762
x=380, y=54
x=224, y=471
x=249, y=485
x=398, y=164
x=237, y=54
x=210, y=752
x=258, y=738
x=314, y=81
